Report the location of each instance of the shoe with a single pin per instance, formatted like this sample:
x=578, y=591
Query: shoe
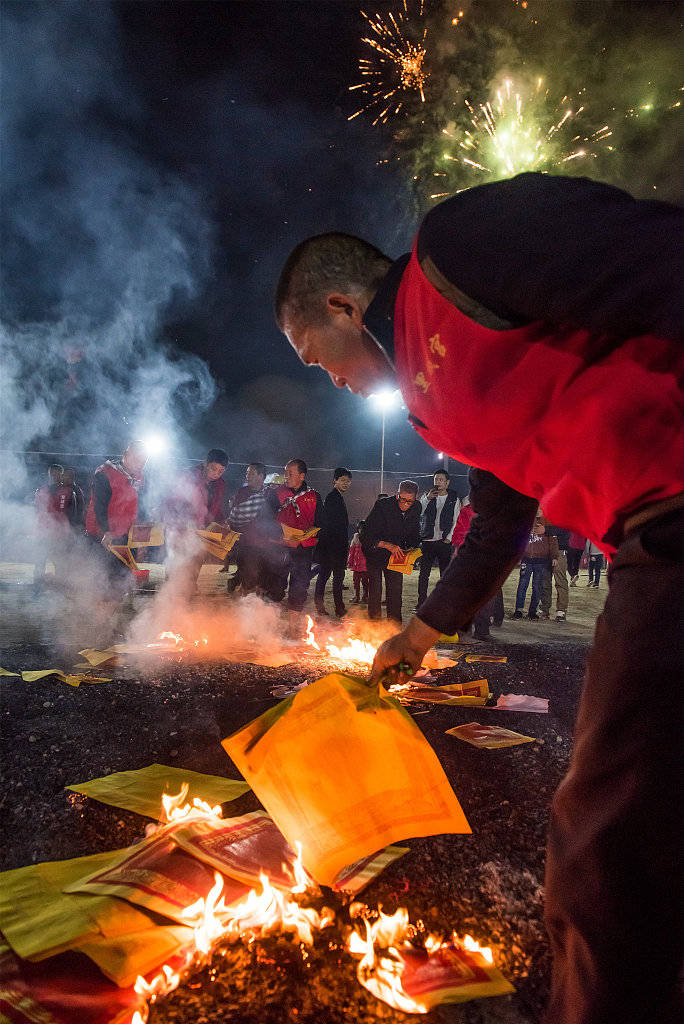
x=532, y=615
x=498, y=622
x=482, y=636
x=321, y=613
x=341, y=613
x=544, y=615
x=573, y=581
x=517, y=614
x=356, y=600
x=560, y=616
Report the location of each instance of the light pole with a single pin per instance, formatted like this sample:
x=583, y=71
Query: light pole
x=385, y=401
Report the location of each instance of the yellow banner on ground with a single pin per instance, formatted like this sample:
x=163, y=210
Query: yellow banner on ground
x=404, y=563
x=141, y=790
x=342, y=768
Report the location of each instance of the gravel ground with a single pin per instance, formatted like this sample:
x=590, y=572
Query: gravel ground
x=176, y=712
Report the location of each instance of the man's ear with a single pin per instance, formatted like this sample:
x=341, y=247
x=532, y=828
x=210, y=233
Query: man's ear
x=339, y=304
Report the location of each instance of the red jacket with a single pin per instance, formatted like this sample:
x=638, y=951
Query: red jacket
x=592, y=430
x=298, y=509
x=195, y=500
x=462, y=525
x=115, y=497
x=53, y=505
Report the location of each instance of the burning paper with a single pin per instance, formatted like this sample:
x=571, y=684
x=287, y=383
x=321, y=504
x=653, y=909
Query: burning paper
x=521, y=702
x=489, y=736
x=142, y=790
x=342, y=768
x=417, y=978
x=405, y=562
x=159, y=876
x=63, y=990
x=472, y=694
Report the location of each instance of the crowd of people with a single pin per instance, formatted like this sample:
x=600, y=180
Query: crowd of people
x=289, y=536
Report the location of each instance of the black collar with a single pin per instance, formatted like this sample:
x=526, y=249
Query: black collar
x=379, y=317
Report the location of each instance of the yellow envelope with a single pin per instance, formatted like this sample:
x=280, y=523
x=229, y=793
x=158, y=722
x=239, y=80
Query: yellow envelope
x=342, y=768
x=39, y=920
x=123, y=553
x=218, y=542
x=43, y=673
x=141, y=790
x=123, y=957
x=406, y=563
x=146, y=535
x=293, y=536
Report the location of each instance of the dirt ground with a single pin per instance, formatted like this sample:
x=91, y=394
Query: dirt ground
x=176, y=712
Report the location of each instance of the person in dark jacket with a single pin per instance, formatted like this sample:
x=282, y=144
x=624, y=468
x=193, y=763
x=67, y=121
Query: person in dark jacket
x=333, y=543
x=392, y=527
x=441, y=506
x=557, y=574
x=76, y=507
x=535, y=332
x=539, y=557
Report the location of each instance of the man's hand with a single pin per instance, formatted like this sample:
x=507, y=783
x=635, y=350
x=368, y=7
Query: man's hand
x=432, y=493
x=107, y=539
x=410, y=647
x=554, y=563
x=392, y=548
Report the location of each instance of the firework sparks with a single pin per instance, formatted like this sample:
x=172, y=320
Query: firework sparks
x=396, y=67
x=515, y=131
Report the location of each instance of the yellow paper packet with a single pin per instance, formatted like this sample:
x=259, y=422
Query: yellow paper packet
x=405, y=562
x=146, y=535
x=6, y=672
x=489, y=736
x=342, y=768
x=292, y=536
x=141, y=790
x=39, y=920
x=123, y=957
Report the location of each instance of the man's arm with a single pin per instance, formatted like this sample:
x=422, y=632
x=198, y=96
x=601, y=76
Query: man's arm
x=492, y=547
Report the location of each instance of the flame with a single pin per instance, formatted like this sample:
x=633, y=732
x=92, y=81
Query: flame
x=358, y=651
x=380, y=972
x=174, y=809
x=309, y=639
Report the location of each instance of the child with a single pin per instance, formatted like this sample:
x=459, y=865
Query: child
x=357, y=563
x=539, y=552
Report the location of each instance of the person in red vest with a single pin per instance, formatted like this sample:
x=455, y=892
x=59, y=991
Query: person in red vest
x=112, y=510
x=294, y=504
x=198, y=496
x=54, y=504
x=535, y=332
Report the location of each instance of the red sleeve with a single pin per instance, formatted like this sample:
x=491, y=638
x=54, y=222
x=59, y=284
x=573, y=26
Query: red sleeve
x=215, y=509
x=462, y=526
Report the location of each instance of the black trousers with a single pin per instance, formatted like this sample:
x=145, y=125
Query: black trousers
x=433, y=551
x=295, y=569
x=614, y=861
x=393, y=589
x=574, y=559
x=334, y=565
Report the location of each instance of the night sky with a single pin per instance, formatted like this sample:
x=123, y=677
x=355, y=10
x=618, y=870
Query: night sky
x=161, y=160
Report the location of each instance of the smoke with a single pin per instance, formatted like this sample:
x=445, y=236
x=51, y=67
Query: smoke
x=101, y=248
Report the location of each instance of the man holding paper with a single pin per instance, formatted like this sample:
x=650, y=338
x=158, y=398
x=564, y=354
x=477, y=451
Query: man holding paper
x=392, y=528
x=535, y=332
x=299, y=511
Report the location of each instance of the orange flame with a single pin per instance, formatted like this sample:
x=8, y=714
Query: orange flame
x=309, y=639
x=173, y=808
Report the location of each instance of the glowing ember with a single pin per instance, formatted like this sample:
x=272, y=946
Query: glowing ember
x=168, y=641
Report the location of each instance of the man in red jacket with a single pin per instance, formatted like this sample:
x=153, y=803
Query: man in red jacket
x=112, y=510
x=294, y=505
x=535, y=333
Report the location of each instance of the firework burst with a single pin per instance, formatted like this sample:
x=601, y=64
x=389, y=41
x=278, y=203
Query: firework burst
x=396, y=68
x=517, y=130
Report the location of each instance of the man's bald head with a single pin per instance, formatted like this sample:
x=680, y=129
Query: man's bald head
x=324, y=264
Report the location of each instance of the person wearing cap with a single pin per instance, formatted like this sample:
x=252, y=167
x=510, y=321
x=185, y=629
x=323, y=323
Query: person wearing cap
x=535, y=331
